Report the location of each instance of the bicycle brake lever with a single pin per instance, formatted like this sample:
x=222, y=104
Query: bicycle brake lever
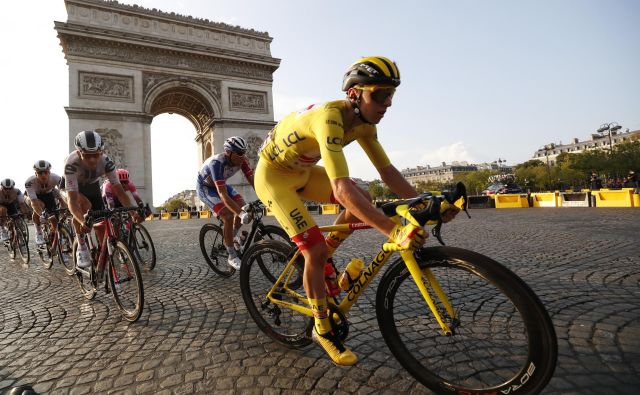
x=435, y=231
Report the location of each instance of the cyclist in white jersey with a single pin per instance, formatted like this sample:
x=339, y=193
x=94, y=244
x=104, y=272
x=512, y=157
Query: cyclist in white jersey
x=10, y=199
x=225, y=201
x=42, y=192
x=83, y=168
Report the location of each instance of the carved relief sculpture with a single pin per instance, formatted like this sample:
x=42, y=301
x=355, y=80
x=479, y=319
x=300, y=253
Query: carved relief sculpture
x=105, y=86
x=113, y=146
x=248, y=101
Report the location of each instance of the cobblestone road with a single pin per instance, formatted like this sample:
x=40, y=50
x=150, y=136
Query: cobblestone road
x=195, y=334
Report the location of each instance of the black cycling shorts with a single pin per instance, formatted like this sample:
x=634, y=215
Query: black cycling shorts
x=12, y=208
x=92, y=192
x=49, y=201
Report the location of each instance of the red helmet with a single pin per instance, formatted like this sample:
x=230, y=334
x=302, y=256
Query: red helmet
x=123, y=175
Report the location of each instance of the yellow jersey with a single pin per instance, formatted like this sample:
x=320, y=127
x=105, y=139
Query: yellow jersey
x=304, y=137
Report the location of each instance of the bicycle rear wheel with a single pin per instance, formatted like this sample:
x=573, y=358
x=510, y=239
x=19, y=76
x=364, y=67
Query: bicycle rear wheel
x=125, y=282
x=22, y=246
x=214, y=250
x=282, y=324
x=11, y=245
x=65, y=249
x=21, y=223
x=503, y=338
x=44, y=250
x=143, y=248
x=271, y=232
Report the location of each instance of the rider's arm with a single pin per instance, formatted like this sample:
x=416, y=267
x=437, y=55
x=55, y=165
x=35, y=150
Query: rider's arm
x=349, y=196
x=247, y=171
x=107, y=194
x=122, y=196
x=396, y=182
x=226, y=199
x=134, y=192
x=74, y=206
x=21, y=203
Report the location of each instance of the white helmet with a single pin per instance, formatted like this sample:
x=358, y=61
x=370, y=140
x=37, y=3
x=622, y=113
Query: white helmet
x=236, y=144
x=42, y=165
x=8, y=183
x=89, y=141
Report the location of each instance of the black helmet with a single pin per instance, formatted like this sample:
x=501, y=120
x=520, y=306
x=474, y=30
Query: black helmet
x=371, y=70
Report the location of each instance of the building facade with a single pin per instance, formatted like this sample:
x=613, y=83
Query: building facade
x=549, y=153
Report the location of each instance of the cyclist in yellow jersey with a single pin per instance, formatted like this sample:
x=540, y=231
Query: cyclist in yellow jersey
x=287, y=173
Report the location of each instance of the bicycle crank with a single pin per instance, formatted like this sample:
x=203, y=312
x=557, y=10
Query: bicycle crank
x=338, y=320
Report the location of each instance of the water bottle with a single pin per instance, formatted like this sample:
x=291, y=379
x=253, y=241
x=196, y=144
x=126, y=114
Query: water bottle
x=330, y=279
x=351, y=273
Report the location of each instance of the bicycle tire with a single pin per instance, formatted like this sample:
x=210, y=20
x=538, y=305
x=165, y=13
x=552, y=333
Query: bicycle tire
x=21, y=223
x=86, y=285
x=11, y=245
x=146, y=243
x=283, y=325
x=123, y=272
x=44, y=251
x=503, y=340
x=65, y=250
x=214, y=251
x=271, y=232
x=22, y=246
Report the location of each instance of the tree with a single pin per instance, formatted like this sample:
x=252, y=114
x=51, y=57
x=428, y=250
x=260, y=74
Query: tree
x=475, y=181
x=174, y=205
x=376, y=190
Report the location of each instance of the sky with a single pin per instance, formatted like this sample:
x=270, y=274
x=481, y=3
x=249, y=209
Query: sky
x=481, y=80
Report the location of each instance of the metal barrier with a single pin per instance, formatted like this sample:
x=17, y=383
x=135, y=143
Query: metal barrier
x=326, y=209
x=511, y=201
x=544, y=199
x=614, y=198
x=574, y=199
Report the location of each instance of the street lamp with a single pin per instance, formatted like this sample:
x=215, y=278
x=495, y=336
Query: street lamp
x=609, y=127
x=547, y=148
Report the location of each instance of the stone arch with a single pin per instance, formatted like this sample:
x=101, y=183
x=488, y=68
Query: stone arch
x=128, y=64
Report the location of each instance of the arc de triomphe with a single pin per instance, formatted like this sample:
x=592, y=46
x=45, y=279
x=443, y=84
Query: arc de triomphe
x=128, y=64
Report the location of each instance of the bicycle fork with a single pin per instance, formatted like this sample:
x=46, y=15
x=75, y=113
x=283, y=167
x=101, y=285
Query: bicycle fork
x=417, y=274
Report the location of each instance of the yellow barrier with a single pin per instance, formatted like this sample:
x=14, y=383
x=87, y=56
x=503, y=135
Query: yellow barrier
x=185, y=215
x=150, y=217
x=636, y=200
x=329, y=209
x=165, y=216
x=205, y=214
x=511, y=201
x=545, y=199
x=615, y=198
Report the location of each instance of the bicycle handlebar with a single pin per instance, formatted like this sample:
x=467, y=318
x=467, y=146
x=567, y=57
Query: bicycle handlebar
x=94, y=216
x=426, y=209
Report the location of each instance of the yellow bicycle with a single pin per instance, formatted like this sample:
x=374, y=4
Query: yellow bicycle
x=457, y=321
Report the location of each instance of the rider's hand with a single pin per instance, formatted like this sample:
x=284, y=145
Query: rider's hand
x=84, y=228
x=408, y=236
x=245, y=217
x=450, y=213
x=136, y=217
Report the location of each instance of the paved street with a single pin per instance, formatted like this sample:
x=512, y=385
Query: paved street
x=195, y=334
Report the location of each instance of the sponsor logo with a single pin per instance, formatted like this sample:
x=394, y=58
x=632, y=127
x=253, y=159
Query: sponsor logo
x=334, y=144
x=298, y=218
x=334, y=122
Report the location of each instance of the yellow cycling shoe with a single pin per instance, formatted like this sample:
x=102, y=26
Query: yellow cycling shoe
x=339, y=354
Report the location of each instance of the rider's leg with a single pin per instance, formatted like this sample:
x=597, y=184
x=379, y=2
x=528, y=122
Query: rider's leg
x=4, y=233
x=227, y=217
x=336, y=238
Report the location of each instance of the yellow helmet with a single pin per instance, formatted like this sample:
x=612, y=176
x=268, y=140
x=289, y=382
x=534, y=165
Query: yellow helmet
x=371, y=70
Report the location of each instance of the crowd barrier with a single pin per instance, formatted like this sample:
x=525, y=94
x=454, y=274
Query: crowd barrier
x=574, y=199
x=165, y=216
x=481, y=201
x=184, y=215
x=511, y=201
x=544, y=199
x=205, y=214
x=326, y=209
x=614, y=198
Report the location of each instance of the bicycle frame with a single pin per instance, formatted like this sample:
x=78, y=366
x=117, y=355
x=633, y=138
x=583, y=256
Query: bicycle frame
x=365, y=278
x=255, y=225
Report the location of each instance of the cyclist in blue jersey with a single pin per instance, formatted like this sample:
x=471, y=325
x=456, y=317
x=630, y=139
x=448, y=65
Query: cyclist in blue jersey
x=225, y=201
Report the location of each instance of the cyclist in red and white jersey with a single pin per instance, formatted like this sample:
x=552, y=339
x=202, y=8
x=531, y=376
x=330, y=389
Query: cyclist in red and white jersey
x=10, y=199
x=42, y=192
x=107, y=189
x=82, y=171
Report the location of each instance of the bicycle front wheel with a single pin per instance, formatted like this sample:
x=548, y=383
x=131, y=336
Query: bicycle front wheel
x=65, y=249
x=125, y=282
x=143, y=248
x=280, y=323
x=503, y=338
x=214, y=250
x=21, y=223
x=23, y=246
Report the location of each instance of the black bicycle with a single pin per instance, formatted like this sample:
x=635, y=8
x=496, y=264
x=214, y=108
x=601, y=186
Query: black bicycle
x=58, y=239
x=212, y=239
x=138, y=239
x=17, y=239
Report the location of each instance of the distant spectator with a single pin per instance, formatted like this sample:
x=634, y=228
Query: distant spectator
x=595, y=181
x=632, y=180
